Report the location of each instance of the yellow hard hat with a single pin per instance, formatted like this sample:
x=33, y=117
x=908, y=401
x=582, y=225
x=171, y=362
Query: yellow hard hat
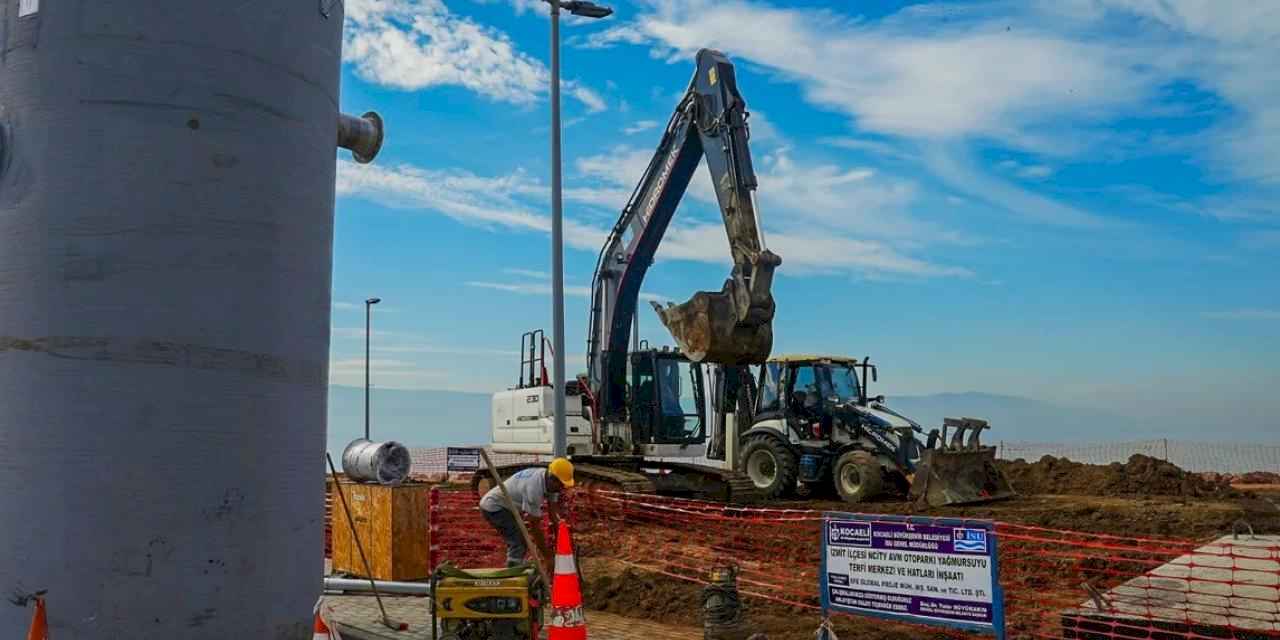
x=562, y=469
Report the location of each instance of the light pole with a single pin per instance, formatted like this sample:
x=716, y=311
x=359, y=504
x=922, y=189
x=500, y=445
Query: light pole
x=589, y=10
x=368, y=316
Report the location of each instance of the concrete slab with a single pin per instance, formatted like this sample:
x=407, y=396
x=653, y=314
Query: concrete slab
x=357, y=618
x=1230, y=583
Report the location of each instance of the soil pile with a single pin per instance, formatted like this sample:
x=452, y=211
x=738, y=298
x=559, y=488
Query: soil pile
x=674, y=601
x=648, y=595
x=1140, y=476
x=1252, y=477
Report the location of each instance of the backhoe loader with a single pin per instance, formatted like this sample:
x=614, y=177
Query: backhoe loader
x=811, y=424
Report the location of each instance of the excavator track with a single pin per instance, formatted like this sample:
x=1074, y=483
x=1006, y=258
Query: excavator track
x=721, y=485
x=613, y=478
x=637, y=475
x=586, y=475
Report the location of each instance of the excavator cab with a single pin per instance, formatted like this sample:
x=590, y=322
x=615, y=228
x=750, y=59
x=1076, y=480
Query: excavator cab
x=667, y=399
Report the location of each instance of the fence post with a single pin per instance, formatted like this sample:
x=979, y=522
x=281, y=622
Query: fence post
x=433, y=529
x=1166, y=449
x=1001, y=453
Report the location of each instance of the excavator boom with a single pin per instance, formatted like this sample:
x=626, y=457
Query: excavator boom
x=732, y=326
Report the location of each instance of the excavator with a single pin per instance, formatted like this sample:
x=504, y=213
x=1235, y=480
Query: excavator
x=636, y=406
x=640, y=417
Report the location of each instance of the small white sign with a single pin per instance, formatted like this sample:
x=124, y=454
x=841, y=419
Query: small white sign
x=460, y=459
x=28, y=7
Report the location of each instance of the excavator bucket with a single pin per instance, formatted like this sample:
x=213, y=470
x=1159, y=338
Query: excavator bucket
x=706, y=329
x=960, y=471
x=733, y=326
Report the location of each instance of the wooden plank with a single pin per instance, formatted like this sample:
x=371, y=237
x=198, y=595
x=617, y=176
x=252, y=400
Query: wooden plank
x=380, y=533
x=410, y=532
x=345, y=559
x=392, y=522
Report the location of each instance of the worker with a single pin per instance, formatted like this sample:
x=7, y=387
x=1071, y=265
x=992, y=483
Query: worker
x=527, y=488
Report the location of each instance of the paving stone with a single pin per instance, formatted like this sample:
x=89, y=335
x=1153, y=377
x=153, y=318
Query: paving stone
x=357, y=617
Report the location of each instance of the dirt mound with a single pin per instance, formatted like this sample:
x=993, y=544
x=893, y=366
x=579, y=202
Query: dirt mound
x=671, y=600
x=634, y=592
x=1140, y=476
x=1252, y=477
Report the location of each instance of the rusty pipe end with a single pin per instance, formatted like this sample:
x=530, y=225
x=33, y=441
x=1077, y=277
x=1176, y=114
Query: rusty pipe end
x=362, y=135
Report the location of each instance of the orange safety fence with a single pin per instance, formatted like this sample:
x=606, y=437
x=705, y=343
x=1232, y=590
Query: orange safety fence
x=1057, y=584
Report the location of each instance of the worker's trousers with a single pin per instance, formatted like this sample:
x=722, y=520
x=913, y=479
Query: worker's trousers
x=505, y=523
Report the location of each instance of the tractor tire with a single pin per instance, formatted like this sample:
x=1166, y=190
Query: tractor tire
x=771, y=465
x=857, y=477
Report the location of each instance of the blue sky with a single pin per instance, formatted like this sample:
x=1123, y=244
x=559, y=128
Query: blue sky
x=1077, y=202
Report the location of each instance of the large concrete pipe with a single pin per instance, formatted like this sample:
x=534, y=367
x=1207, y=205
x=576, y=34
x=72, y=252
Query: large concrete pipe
x=166, y=230
x=386, y=463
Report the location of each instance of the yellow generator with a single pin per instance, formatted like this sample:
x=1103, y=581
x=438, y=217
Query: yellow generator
x=486, y=604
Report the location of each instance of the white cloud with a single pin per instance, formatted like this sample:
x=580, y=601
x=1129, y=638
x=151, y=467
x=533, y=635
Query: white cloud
x=490, y=202
x=911, y=74
x=359, y=306
x=349, y=333
x=1243, y=314
x=953, y=166
x=621, y=34
x=1045, y=78
x=417, y=44
x=531, y=288
x=1026, y=171
x=501, y=203
x=642, y=125
x=435, y=349
x=1230, y=48
x=385, y=373
x=544, y=289
x=528, y=273
x=877, y=148
x=594, y=102
x=794, y=198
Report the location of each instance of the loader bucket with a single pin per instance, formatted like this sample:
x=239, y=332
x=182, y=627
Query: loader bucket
x=960, y=471
x=955, y=477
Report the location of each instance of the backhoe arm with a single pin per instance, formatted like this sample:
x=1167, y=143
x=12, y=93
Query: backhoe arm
x=734, y=325
x=731, y=326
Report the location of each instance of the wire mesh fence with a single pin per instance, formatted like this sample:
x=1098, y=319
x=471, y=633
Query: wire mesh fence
x=1057, y=584
x=1192, y=456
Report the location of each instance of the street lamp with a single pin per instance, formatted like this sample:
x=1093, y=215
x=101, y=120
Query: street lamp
x=368, y=315
x=588, y=10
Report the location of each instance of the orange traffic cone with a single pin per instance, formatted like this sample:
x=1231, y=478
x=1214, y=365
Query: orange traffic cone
x=321, y=628
x=39, y=622
x=567, y=619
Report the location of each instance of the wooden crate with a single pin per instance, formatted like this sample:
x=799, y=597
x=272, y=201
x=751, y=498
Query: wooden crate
x=393, y=527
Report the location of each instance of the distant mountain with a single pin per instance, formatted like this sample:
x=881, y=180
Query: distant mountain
x=1018, y=418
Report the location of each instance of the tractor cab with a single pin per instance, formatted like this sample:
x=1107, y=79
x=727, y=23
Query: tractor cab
x=812, y=393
